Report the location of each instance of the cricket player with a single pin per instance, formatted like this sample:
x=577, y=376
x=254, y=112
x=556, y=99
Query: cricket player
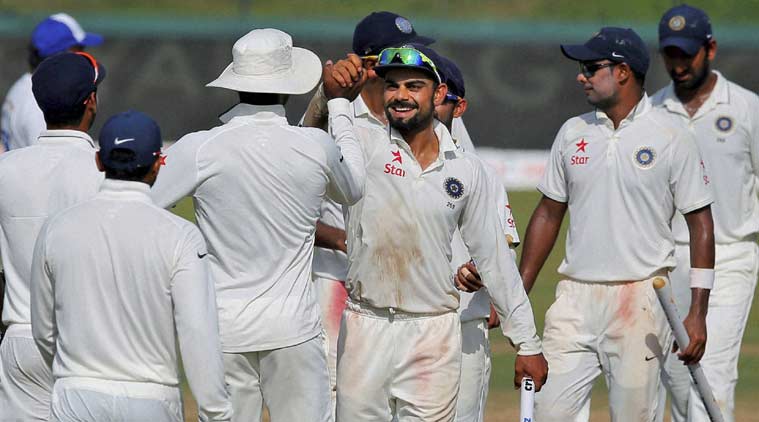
x=117, y=284
x=372, y=34
x=22, y=120
x=402, y=299
x=722, y=117
x=621, y=171
x=258, y=184
x=65, y=88
x=475, y=311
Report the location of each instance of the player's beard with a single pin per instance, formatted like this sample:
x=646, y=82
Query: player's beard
x=696, y=81
x=414, y=123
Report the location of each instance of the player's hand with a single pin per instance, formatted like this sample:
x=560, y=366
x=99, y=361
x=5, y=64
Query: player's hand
x=468, y=279
x=695, y=326
x=533, y=366
x=493, y=320
x=344, y=79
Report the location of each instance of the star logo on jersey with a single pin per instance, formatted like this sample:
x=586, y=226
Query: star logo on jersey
x=390, y=168
x=397, y=157
x=581, y=145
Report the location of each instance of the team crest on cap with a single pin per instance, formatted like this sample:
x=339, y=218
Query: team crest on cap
x=645, y=157
x=724, y=124
x=403, y=25
x=676, y=23
x=454, y=188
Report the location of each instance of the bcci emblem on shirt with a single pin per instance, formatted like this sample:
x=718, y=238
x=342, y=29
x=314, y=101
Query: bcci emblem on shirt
x=724, y=125
x=454, y=188
x=645, y=157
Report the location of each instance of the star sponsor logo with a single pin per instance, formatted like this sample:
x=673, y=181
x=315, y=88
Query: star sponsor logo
x=397, y=157
x=390, y=168
x=644, y=157
x=578, y=160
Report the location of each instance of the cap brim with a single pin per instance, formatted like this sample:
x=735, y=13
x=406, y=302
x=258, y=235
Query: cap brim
x=101, y=74
x=421, y=40
x=305, y=73
x=581, y=53
x=92, y=40
x=689, y=45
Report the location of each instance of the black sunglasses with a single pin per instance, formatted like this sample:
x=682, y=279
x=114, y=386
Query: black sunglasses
x=590, y=69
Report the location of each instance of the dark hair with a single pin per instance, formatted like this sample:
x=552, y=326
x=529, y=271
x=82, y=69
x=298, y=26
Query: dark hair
x=71, y=117
x=33, y=57
x=123, y=155
x=640, y=77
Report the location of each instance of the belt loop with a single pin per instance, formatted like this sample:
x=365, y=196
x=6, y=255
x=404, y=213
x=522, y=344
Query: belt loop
x=392, y=314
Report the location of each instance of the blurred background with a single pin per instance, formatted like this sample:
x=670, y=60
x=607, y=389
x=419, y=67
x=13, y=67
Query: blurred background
x=160, y=54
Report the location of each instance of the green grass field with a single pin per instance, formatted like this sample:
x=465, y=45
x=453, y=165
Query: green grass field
x=503, y=402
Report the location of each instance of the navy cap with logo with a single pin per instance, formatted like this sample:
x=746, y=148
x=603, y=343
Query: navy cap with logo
x=620, y=45
x=59, y=32
x=132, y=131
x=381, y=30
x=451, y=76
x=63, y=81
x=685, y=27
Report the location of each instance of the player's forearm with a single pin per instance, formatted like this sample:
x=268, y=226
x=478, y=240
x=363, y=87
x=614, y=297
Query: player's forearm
x=350, y=175
x=317, y=113
x=542, y=232
x=701, y=230
x=330, y=237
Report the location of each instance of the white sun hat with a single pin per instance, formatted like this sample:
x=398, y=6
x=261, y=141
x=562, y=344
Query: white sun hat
x=265, y=61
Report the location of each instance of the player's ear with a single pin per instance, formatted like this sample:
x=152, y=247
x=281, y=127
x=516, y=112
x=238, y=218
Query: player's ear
x=624, y=73
x=711, y=49
x=99, y=163
x=439, y=95
x=460, y=108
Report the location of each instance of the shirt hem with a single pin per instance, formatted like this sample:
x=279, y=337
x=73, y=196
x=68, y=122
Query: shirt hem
x=259, y=347
x=557, y=198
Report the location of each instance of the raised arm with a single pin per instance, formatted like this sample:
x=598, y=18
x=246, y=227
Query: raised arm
x=196, y=321
x=541, y=234
x=179, y=176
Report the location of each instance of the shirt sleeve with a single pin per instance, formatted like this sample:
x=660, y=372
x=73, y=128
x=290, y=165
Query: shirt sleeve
x=42, y=300
x=754, y=135
x=179, y=177
x=554, y=183
x=689, y=180
x=196, y=320
x=347, y=169
x=482, y=232
x=461, y=135
x=504, y=208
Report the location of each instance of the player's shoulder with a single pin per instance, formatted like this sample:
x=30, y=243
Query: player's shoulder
x=658, y=98
x=744, y=97
x=574, y=127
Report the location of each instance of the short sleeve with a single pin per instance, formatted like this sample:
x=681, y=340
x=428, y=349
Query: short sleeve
x=689, y=179
x=554, y=183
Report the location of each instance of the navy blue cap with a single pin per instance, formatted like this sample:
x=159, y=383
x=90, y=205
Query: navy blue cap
x=132, y=131
x=685, y=27
x=381, y=30
x=60, y=32
x=451, y=76
x=63, y=81
x=381, y=69
x=621, y=45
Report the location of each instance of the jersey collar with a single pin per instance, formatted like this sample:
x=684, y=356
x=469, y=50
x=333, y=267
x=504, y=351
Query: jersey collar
x=361, y=110
x=640, y=109
x=446, y=147
x=719, y=95
x=65, y=135
x=274, y=112
x=126, y=189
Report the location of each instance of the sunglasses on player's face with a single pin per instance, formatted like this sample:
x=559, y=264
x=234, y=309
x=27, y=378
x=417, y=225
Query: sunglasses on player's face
x=408, y=56
x=588, y=69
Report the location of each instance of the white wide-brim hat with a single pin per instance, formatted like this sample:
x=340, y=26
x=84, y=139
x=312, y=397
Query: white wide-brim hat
x=265, y=61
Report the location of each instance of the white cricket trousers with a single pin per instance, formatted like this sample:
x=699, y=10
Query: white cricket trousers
x=617, y=329
x=736, y=267
x=475, y=371
x=98, y=400
x=331, y=295
x=26, y=382
x=293, y=383
x=398, y=364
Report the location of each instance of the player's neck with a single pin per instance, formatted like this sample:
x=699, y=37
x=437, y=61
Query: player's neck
x=692, y=99
x=373, y=95
x=424, y=144
x=627, y=102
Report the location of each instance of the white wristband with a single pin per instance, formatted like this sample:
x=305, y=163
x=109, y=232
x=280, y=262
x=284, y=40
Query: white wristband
x=701, y=278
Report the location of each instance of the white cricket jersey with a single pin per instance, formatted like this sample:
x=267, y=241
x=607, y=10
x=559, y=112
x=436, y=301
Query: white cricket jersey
x=622, y=188
x=331, y=263
x=55, y=173
x=477, y=305
x=117, y=283
x=257, y=185
x=726, y=128
x=22, y=120
x=400, y=232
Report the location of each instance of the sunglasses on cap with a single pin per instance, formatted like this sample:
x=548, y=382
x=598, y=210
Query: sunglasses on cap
x=590, y=69
x=407, y=56
x=452, y=97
